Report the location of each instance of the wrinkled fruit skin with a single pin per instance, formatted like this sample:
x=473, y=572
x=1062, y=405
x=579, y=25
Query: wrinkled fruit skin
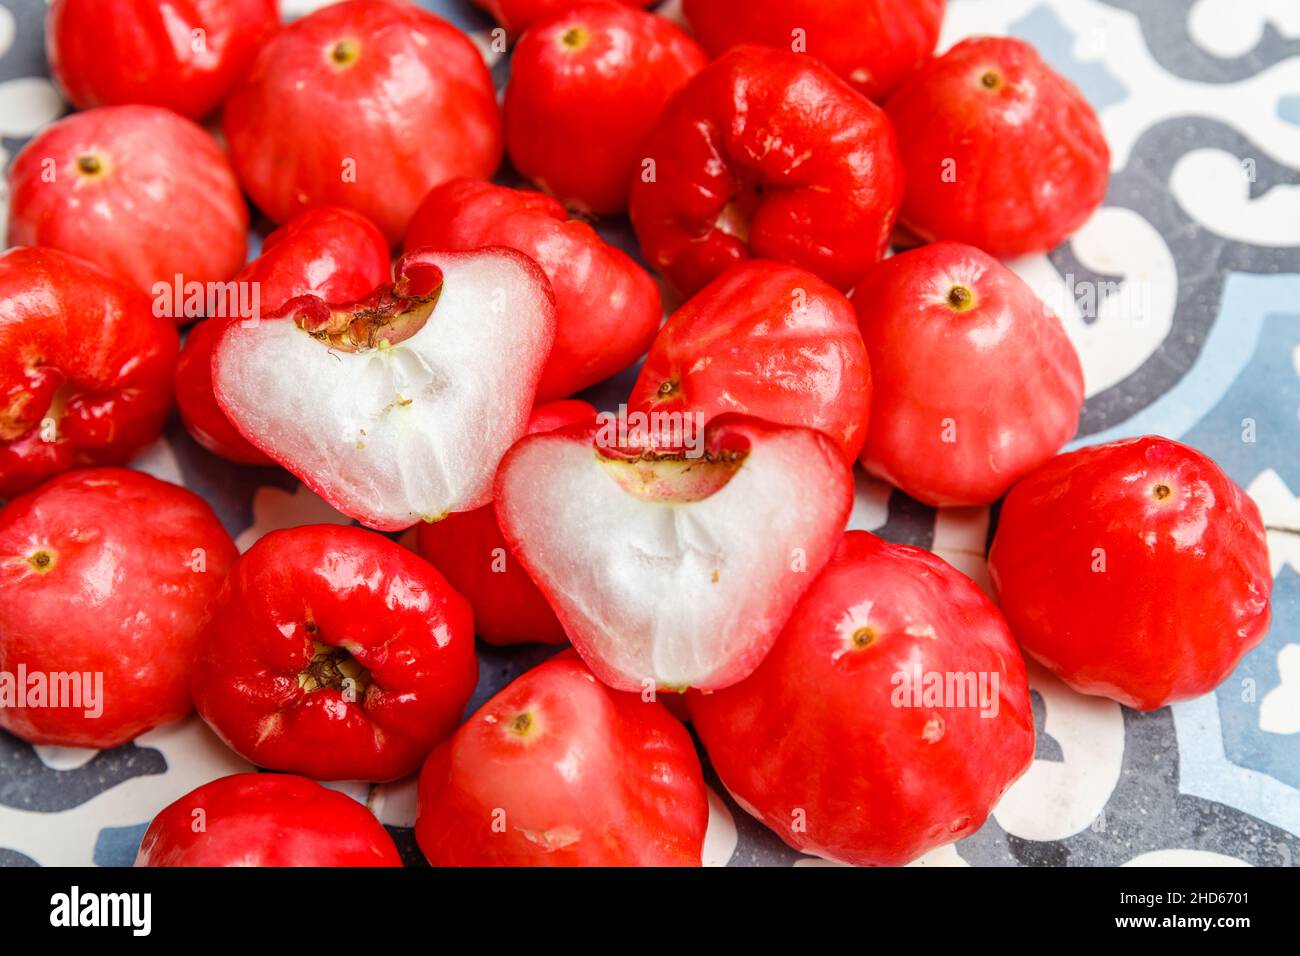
x=330, y=252
x=517, y=15
x=976, y=382
x=266, y=819
x=836, y=722
x=108, y=52
x=389, y=76
x=1001, y=151
x=275, y=673
x=872, y=44
x=81, y=350
x=584, y=775
x=1135, y=570
x=670, y=571
x=823, y=194
x=471, y=552
x=107, y=571
x=585, y=87
x=607, y=307
x=401, y=404
x=138, y=190
x=768, y=340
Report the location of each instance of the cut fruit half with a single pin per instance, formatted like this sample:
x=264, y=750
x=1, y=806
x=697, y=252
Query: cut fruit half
x=396, y=408
x=669, y=571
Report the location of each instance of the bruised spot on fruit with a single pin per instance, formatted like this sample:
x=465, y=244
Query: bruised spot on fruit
x=1161, y=492
x=42, y=561
x=574, y=38
x=673, y=478
x=991, y=80
x=331, y=668
x=960, y=298
x=345, y=52
x=864, y=637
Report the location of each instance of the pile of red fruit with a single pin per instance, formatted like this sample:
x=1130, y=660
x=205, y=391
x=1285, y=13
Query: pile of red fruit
x=767, y=165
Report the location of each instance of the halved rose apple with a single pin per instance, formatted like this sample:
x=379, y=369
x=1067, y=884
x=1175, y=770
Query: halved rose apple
x=398, y=407
x=666, y=569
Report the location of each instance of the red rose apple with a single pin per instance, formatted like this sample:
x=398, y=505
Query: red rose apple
x=586, y=85
x=976, y=381
x=106, y=575
x=516, y=15
x=606, y=307
x=871, y=43
x=767, y=153
x=399, y=406
x=329, y=252
x=183, y=54
x=559, y=770
x=768, y=340
x=470, y=550
x=266, y=819
x=674, y=568
x=336, y=653
x=85, y=368
x=365, y=104
x=138, y=190
x=1001, y=151
x=1135, y=570
x=889, y=717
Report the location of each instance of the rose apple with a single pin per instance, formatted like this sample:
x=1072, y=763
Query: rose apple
x=976, y=381
x=517, y=15
x=266, y=819
x=1135, y=570
x=764, y=339
x=767, y=153
x=559, y=770
x=398, y=407
x=138, y=190
x=470, y=550
x=106, y=575
x=184, y=54
x=889, y=717
x=586, y=85
x=336, y=653
x=330, y=252
x=871, y=43
x=674, y=569
x=85, y=368
x=365, y=104
x=1001, y=151
x=606, y=307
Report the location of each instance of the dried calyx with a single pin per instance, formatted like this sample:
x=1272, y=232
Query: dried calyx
x=388, y=316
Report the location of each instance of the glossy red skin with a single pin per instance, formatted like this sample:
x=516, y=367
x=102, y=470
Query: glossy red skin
x=1029, y=158
x=122, y=594
x=823, y=154
x=764, y=339
x=816, y=727
x=607, y=307
x=69, y=331
x=330, y=252
x=165, y=201
x=601, y=778
x=1185, y=588
x=467, y=547
x=576, y=111
x=516, y=15
x=872, y=44
x=108, y=52
x=1002, y=371
x=415, y=108
x=398, y=618
x=266, y=819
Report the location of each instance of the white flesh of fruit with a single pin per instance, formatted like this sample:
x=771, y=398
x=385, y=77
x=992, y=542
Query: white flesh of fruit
x=414, y=431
